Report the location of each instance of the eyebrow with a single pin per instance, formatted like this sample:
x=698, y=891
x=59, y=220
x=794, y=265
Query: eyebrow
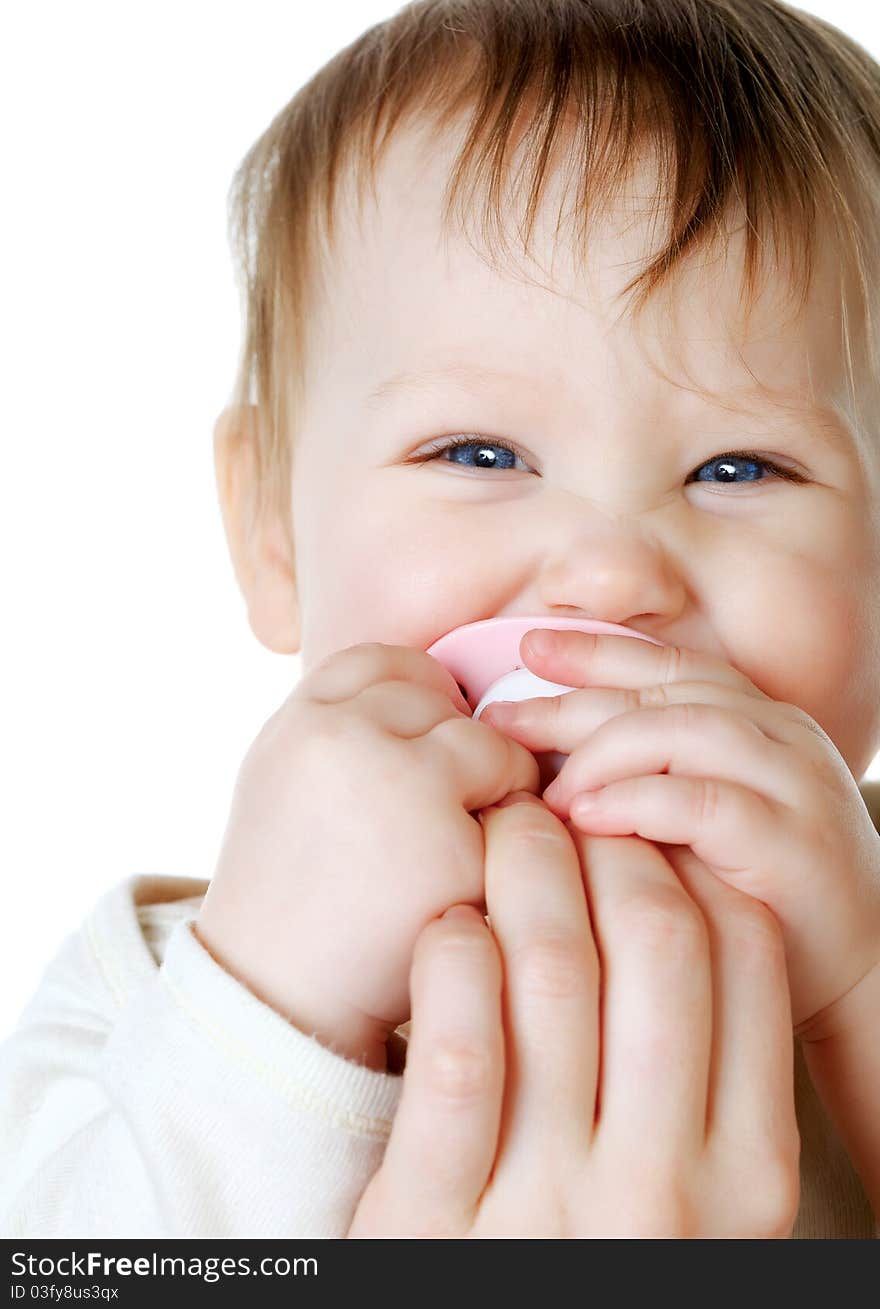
x=468, y=375
x=827, y=421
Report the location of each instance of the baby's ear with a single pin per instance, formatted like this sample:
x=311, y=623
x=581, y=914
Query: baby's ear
x=259, y=546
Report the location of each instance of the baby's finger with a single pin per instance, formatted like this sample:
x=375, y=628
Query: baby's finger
x=738, y=832
x=751, y=1078
x=344, y=673
x=407, y=709
x=485, y=766
x=606, y=659
x=445, y=1133
x=564, y=722
x=538, y=910
x=695, y=740
x=657, y=999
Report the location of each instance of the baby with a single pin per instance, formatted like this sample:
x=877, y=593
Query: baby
x=562, y=312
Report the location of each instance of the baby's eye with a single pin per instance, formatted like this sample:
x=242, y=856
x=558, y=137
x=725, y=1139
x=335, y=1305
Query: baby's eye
x=485, y=453
x=739, y=467
x=735, y=468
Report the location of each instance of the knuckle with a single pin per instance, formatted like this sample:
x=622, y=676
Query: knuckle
x=551, y=966
x=763, y=1174
x=754, y=930
x=665, y=1213
x=358, y=663
x=663, y=1208
x=775, y=1196
x=672, y=664
x=368, y=652
x=553, y=712
x=655, y=696
x=684, y=714
x=664, y=923
x=708, y=801
x=459, y=1071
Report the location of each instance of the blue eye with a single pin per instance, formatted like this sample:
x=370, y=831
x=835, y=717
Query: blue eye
x=484, y=453
x=729, y=469
x=742, y=467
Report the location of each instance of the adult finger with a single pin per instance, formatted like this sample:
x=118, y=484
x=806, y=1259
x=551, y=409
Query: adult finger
x=445, y=1133
x=538, y=912
x=751, y=1078
x=657, y=997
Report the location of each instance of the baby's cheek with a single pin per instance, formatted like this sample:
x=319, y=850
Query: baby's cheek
x=379, y=582
x=815, y=646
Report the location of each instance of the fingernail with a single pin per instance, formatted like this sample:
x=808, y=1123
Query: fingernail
x=500, y=711
x=541, y=642
x=552, y=793
x=517, y=797
x=459, y=911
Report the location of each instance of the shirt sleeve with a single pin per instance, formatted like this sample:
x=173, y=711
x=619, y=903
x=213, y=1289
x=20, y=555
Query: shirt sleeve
x=168, y=1101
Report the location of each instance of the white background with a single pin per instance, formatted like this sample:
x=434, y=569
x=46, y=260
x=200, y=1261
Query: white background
x=131, y=683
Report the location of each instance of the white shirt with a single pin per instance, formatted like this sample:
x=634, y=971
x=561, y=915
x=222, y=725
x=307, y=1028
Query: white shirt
x=146, y=1093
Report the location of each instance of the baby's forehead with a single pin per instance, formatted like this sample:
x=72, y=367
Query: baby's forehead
x=407, y=274
x=407, y=209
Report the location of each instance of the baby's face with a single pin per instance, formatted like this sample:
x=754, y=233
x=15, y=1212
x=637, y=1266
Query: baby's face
x=590, y=485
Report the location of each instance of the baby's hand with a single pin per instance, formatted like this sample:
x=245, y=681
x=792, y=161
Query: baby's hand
x=629, y=1079
x=680, y=748
x=349, y=831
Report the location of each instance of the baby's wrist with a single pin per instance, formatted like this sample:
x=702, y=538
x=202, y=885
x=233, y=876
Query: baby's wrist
x=305, y=1004
x=341, y=1029
x=848, y=1017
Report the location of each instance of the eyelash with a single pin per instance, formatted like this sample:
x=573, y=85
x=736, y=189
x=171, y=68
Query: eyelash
x=457, y=443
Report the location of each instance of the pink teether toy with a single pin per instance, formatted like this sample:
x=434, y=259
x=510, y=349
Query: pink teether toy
x=484, y=659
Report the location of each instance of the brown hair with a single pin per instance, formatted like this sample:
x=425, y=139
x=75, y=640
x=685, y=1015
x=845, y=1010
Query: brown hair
x=745, y=99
